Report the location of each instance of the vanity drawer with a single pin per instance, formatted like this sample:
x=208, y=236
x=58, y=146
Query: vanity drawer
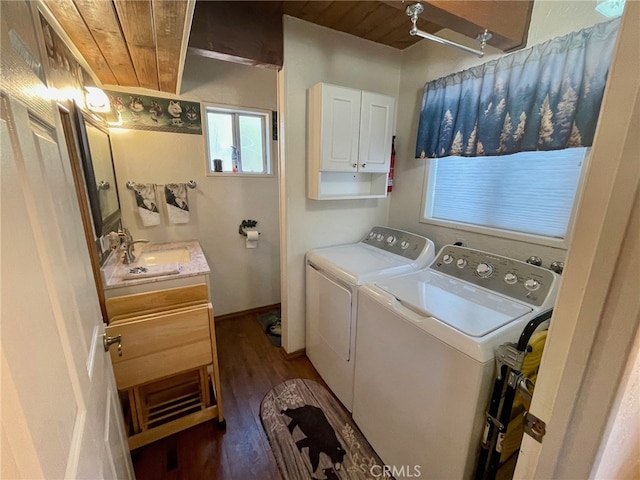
x=124, y=307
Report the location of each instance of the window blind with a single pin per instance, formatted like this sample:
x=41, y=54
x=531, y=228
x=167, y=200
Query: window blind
x=527, y=192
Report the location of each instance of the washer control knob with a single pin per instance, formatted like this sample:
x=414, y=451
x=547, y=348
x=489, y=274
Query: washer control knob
x=447, y=259
x=484, y=270
x=557, y=267
x=372, y=234
x=511, y=278
x=532, y=284
x=391, y=240
x=533, y=260
x=404, y=245
x=461, y=263
x=380, y=237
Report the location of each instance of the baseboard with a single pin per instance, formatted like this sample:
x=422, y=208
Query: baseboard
x=293, y=355
x=251, y=311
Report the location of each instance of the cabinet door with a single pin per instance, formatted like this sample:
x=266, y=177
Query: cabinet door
x=160, y=345
x=376, y=132
x=340, y=128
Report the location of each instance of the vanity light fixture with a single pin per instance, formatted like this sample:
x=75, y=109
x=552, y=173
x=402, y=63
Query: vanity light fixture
x=97, y=100
x=414, y=11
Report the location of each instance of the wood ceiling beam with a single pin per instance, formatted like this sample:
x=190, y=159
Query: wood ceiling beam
x=232, y=31
x=507, y=20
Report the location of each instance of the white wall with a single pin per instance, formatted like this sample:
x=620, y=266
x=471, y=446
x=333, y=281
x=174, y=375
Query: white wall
x=426, y=61
x=316, y=54
x=240, y=278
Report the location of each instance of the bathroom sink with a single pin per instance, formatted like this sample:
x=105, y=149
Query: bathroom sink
x=163, y=257
x=157, y=263
x=157, y=266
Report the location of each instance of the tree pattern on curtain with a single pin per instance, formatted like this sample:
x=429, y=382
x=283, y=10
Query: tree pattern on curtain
x=546, y=97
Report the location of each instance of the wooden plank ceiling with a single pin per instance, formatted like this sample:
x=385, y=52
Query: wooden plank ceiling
x=130, y=43
x=139, y=43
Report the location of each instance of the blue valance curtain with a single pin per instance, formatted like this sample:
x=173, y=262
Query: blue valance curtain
x=546, y=97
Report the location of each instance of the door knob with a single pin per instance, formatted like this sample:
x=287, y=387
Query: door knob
x=108, y=341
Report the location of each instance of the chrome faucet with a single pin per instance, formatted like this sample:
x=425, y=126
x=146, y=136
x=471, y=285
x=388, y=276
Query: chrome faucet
x=128, y=243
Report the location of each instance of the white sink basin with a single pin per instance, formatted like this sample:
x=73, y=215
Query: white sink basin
x=163, y=257
x=157, y=263
x=157, y=266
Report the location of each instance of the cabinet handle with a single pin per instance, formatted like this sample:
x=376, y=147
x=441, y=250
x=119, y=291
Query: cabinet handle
x=108, y=341
x=355, y=165
x=364, y=165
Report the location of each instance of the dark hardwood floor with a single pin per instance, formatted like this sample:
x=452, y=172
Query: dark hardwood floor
x=249, y=367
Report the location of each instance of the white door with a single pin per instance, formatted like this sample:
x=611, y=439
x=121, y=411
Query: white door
x=376, y=132
x=597, y=312
x=61, y=416
x=340, y=128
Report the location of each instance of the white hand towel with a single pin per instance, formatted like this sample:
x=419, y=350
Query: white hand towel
x=147, y=203
x=177, y=204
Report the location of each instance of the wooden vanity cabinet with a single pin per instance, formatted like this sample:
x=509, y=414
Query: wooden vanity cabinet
x=166, y=362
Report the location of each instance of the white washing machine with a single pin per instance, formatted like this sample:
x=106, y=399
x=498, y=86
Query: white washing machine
x=426, y=346
x=333, y=276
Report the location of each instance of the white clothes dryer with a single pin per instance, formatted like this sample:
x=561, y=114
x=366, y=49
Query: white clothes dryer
x=426, y=355
x=333, y=275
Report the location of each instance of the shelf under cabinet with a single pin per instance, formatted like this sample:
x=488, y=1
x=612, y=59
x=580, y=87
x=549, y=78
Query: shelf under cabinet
x=347, y=185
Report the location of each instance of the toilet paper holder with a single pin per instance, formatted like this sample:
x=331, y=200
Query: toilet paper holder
x=247, y=224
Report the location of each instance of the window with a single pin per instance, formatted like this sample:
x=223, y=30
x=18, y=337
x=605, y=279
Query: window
x=524, y=194
x=237, y=141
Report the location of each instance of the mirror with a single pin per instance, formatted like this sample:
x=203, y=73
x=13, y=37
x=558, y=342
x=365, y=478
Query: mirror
x=99, y=173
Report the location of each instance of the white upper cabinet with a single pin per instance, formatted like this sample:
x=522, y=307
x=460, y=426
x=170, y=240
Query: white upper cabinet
x=350, y=133
x=377, y=114
x=340, y=112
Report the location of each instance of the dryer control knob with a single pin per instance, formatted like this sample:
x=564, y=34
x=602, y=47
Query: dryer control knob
x=380, y=237
x=391, y=240
x=461, y=263
x=484, y=270
x=511, y=278
x=532, y=285
x=404, y=245
x=447, y=259
x=372, y=234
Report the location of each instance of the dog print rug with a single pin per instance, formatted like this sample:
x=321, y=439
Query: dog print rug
x=313, y=437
